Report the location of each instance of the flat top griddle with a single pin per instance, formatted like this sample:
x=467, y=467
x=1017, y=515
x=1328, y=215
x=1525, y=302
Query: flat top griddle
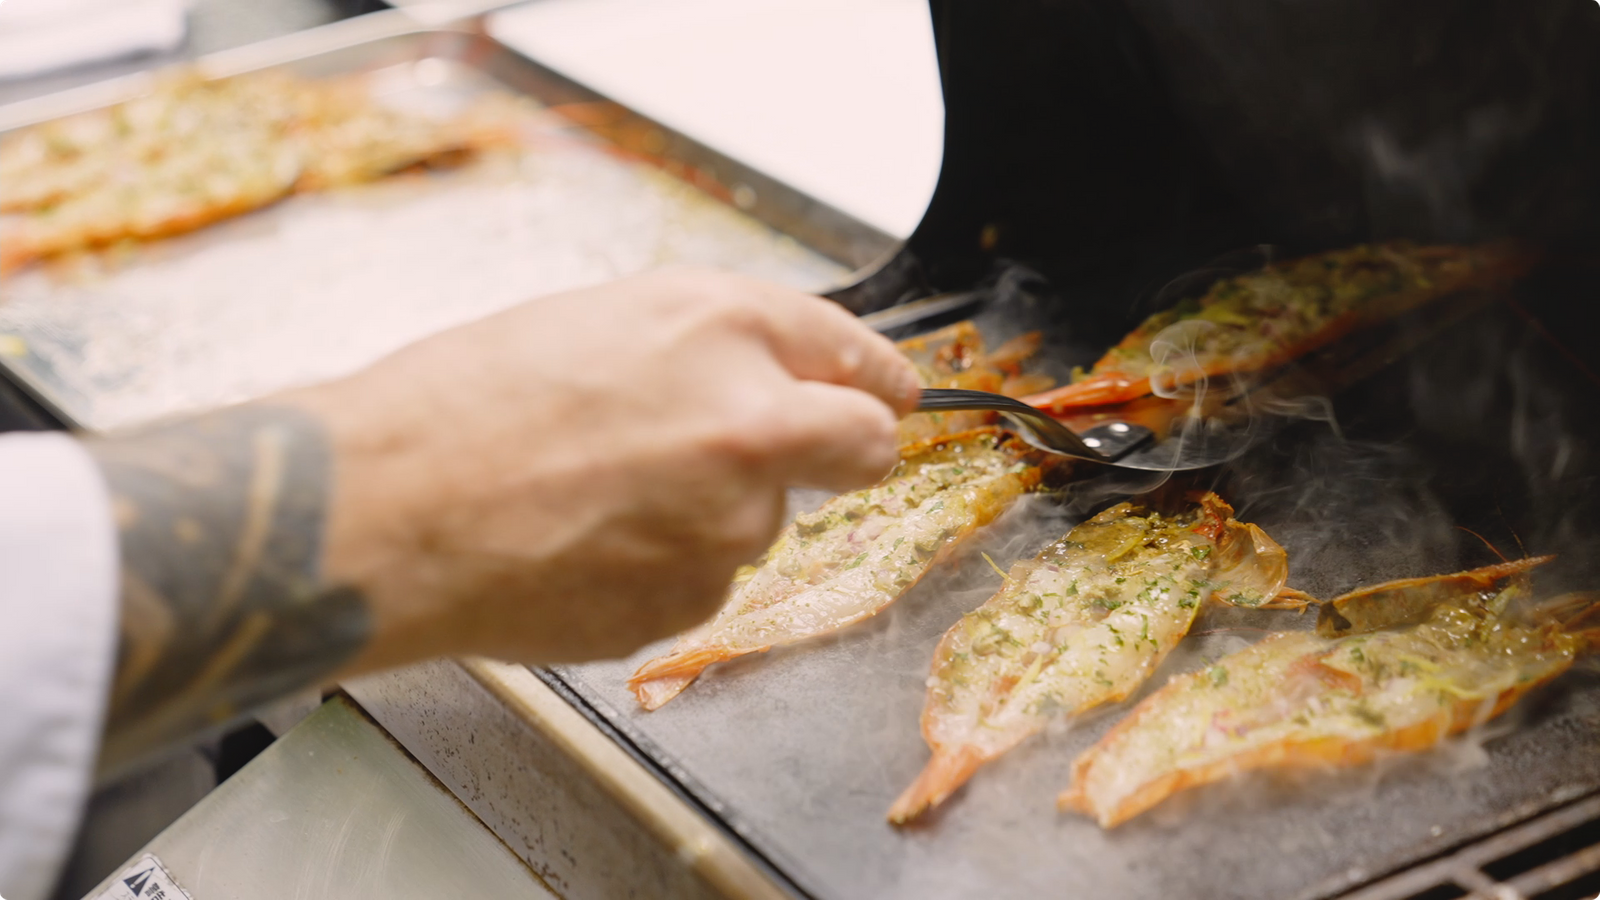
x=1487, y=425
x=801, y=750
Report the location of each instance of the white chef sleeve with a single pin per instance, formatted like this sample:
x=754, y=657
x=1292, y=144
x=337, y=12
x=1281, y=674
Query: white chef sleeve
x=58, y=620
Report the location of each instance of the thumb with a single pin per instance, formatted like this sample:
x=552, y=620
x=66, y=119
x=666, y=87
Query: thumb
x=836, y=438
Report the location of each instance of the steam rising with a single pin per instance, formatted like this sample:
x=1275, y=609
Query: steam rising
x=1484, y=425
x=1359, y=489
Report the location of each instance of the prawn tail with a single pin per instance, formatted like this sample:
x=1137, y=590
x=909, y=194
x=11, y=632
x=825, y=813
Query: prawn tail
x=665, y=677
x=1251, y=569
x=1577, y=613
x=1010, y=356
x=1077, y=798
x=1097, y=391
x=944, y=773
x=654, y=693
x=14, y=254
x=1292, y=598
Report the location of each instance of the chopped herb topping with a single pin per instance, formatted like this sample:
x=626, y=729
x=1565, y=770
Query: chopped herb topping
x=1368, y=715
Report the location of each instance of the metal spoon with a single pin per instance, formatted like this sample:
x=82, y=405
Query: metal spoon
x=1196, y=445
x=1101, y=444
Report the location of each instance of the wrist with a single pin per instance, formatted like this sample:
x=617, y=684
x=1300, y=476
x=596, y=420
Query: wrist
x=370, y=542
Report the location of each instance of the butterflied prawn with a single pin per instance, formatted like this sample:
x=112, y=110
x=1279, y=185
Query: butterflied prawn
x=1299, y=699
x=857, y=554
x=1264, y=319
x=1083, y=623
x=194, y=152
x=956, y=357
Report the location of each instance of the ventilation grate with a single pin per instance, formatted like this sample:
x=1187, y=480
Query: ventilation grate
x=1553, y=857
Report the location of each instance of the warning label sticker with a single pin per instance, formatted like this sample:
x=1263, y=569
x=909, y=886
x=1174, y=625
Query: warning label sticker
x=145, y=879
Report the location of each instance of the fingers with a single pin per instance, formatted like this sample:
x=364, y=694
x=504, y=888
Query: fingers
x=834, y=438
x=818, y=340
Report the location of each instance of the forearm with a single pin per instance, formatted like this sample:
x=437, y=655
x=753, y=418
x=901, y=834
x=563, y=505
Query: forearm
x=567, y=480
x=226, y=604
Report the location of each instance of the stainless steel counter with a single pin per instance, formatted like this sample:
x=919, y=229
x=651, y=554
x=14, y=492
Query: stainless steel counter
x=334, y=809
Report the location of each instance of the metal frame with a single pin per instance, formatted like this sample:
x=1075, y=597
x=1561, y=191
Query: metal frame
x=835, y=234
x=1465, y=869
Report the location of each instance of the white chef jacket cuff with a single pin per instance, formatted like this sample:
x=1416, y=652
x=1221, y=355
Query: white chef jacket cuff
x=58, y=623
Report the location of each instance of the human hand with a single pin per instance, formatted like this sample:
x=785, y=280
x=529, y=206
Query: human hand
x=565, y=480
x=582, y=474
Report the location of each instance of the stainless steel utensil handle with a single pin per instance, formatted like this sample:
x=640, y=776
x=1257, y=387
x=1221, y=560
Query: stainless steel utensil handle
x=885, y=320
x=1102, y=444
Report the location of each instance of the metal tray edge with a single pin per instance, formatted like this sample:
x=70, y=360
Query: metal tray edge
x=705, y=843
x=827, y=230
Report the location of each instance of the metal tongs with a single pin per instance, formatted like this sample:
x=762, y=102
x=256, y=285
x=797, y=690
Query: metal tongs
x=1102, y=444
x=1120, y=445
x=1196, y=444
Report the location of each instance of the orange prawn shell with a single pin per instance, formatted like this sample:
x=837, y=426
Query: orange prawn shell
x=659, y=680
x=1452, y=269
x=1286, y=754
x=1242, y=550
x=1409, y=600
x=1553, y=648
x=955, y=357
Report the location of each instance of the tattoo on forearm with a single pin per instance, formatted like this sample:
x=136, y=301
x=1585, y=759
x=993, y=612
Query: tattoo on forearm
x=224, y=607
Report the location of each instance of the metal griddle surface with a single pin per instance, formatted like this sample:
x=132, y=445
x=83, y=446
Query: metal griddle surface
x=801, y=750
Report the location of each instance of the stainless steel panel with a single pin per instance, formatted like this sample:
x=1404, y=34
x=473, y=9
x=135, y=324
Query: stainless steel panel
x=559, y=792
x=336, y=809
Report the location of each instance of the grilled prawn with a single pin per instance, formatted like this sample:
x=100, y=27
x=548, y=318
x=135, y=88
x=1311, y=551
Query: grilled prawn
x=1264, y=319
x=955, y=357
x=856, y=554
x=1303, y=700
x=1083, y=623
x=195, y=152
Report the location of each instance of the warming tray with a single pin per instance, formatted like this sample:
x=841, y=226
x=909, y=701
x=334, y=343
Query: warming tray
x=320, y=285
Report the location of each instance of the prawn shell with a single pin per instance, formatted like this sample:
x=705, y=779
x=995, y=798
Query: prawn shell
x=955, y=357
x=663, y=678
x=1314, y=753
x=1244, y=565
x=1410, y=600
x=194, y=152
x=1447, y=270
x=1470, y=661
